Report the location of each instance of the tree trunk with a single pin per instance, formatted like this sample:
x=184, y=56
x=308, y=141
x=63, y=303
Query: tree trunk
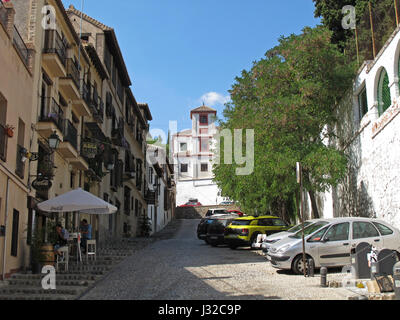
x=314, y=211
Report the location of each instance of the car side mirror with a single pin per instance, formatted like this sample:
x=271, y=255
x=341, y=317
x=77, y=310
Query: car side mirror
x=325, y=240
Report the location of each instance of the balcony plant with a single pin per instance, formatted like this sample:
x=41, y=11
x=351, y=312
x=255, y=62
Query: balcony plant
x=9, y=130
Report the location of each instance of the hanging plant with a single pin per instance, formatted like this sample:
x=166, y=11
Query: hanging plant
x=9, y=130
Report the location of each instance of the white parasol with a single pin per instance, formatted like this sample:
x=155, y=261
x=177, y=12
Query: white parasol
x=79, y=201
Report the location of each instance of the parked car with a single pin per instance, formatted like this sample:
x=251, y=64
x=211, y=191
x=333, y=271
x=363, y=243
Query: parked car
x=192, y=203
x=202, y=227
x=212, y=212
x=239, y=213
x=216, y=229
x=226, y=203
x=244, y=231
x=329, y=242
x=268, y=241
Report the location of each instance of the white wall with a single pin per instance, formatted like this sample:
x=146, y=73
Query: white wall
x=375, y=143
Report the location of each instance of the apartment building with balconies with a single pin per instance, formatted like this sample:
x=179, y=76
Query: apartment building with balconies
x=125, y=127
x=17, y=65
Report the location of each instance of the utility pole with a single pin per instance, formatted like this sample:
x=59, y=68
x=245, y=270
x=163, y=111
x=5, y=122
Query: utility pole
x=299, y=172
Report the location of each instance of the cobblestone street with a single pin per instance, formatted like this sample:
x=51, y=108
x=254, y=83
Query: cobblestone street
x=178, y=266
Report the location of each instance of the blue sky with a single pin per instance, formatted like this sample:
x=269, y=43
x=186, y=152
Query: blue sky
x=180, y=53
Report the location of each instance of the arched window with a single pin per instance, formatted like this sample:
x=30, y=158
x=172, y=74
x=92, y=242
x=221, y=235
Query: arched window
x=384, y=98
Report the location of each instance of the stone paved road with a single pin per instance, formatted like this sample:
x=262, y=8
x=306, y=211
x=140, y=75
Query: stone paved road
x=178, y=266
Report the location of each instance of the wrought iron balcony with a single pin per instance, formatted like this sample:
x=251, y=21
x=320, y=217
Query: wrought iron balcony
x=70, y=134
x=52, y=112
x=54, y=44
x=21, y=47
x=73, y=71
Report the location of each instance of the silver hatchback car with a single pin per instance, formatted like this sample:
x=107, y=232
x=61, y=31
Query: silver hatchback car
x=329, y=242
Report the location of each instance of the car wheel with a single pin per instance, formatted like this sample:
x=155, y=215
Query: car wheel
x=297, y=266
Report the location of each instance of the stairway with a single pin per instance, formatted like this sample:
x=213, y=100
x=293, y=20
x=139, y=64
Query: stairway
x=79, y=278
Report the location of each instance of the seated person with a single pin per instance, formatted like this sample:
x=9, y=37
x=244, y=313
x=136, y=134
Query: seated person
x=86, y=232
x=62, y=238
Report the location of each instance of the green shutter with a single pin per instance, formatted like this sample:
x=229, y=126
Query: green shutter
x=363, y=103
x=384, y=93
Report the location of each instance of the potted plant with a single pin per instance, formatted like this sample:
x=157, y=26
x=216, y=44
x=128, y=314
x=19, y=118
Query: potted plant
x=9, y=130
x=146, y=226
x=36, y=250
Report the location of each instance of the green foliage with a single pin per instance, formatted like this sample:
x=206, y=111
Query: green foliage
x=383, y=17
x=288, y=98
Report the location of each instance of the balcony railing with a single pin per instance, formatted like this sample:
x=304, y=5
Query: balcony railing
x=85, y=92
x=20, y=166
x=54, y=44
x=3, y=143
x=70, y=134
x=52, y=112
x=20, y=45
x=73, y=71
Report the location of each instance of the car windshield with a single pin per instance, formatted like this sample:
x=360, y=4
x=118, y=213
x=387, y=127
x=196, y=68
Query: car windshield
x=298, y=227
x=310, y=229
x=241, y=222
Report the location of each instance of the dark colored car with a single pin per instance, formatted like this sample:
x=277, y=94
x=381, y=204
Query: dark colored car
x=216, y=229
x=202, y=227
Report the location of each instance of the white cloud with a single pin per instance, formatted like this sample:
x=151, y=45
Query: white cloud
x=213, y=98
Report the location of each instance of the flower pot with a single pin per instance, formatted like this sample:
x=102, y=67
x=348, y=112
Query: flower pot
x=9, y=132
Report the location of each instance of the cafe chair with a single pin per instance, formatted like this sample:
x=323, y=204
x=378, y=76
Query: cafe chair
x=90, y=249
x=63, y=258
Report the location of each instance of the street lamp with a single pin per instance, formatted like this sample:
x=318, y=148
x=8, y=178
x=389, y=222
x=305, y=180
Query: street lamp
x=54, y=141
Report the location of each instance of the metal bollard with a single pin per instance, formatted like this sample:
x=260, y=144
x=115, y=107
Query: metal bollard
x=324, y=273
x=310, y=268
x=374, y=270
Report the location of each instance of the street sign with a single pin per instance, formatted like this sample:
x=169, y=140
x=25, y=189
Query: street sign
x=41, y=184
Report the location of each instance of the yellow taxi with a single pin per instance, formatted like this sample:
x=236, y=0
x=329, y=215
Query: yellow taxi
x=242, y=232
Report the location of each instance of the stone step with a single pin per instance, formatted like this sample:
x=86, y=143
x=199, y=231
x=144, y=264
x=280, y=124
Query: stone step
x=35, y=297
x=75, y=277
x=59, y=283
x=23, y=290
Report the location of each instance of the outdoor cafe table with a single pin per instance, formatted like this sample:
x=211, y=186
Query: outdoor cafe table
x=76, y=238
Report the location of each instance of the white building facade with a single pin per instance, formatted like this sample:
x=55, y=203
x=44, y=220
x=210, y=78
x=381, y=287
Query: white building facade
x=160, y=193
x=193, y=159
x=369, y=133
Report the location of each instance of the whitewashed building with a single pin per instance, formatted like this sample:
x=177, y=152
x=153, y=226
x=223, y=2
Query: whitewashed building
x=369, y=132
x=193, y=158
x=160, y=192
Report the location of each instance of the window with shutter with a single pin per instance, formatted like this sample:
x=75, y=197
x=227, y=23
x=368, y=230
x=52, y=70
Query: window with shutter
x=363, y=103
x=384, y=98
x=14, y=239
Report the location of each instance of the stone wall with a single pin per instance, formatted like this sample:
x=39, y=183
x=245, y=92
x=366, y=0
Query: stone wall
x=198, y=212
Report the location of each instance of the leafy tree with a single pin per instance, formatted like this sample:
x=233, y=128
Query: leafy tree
x=288, y=98
x=383, y=16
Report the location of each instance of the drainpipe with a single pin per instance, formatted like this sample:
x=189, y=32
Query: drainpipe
x=6, y=229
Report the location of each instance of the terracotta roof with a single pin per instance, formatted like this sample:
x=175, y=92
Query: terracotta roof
x=204, y=108
x=111, y=40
